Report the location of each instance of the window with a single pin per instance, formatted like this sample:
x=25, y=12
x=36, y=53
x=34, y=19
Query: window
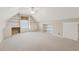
x=24, y=24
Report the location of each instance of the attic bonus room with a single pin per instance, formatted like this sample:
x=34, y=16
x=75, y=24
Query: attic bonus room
x=39, y=28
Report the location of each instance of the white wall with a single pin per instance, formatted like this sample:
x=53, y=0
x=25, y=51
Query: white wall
x=2, y=25
x=58, y=25
x=5, y=13
x=70, y=30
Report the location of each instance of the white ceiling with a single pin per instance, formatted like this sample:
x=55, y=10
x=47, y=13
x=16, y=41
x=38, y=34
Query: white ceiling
x=44, y=14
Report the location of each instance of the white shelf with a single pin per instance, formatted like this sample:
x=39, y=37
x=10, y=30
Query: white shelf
x=48, y=28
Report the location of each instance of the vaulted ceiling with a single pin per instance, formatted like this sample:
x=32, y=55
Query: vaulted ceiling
x=44, y=13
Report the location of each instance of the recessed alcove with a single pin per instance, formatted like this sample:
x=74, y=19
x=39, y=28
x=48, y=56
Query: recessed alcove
x=15, y=30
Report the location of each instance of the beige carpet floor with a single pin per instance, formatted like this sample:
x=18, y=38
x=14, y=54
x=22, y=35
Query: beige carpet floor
x=38, y=41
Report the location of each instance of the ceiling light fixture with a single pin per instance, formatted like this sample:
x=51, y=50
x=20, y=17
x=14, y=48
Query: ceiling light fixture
x=32, y=10
x=28, y=10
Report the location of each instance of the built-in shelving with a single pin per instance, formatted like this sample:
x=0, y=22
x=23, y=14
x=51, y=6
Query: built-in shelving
x=47, y=28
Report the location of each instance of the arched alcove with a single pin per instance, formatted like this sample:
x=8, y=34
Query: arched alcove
x=20, y=23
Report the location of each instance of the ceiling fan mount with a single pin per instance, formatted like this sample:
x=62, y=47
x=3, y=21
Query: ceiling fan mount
x=31, y=10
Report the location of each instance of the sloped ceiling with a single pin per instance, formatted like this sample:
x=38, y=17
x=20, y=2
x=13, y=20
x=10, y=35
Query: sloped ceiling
x=7, y=12
x=44, y=13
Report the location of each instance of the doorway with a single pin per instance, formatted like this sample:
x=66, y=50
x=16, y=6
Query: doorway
x=15, y=30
